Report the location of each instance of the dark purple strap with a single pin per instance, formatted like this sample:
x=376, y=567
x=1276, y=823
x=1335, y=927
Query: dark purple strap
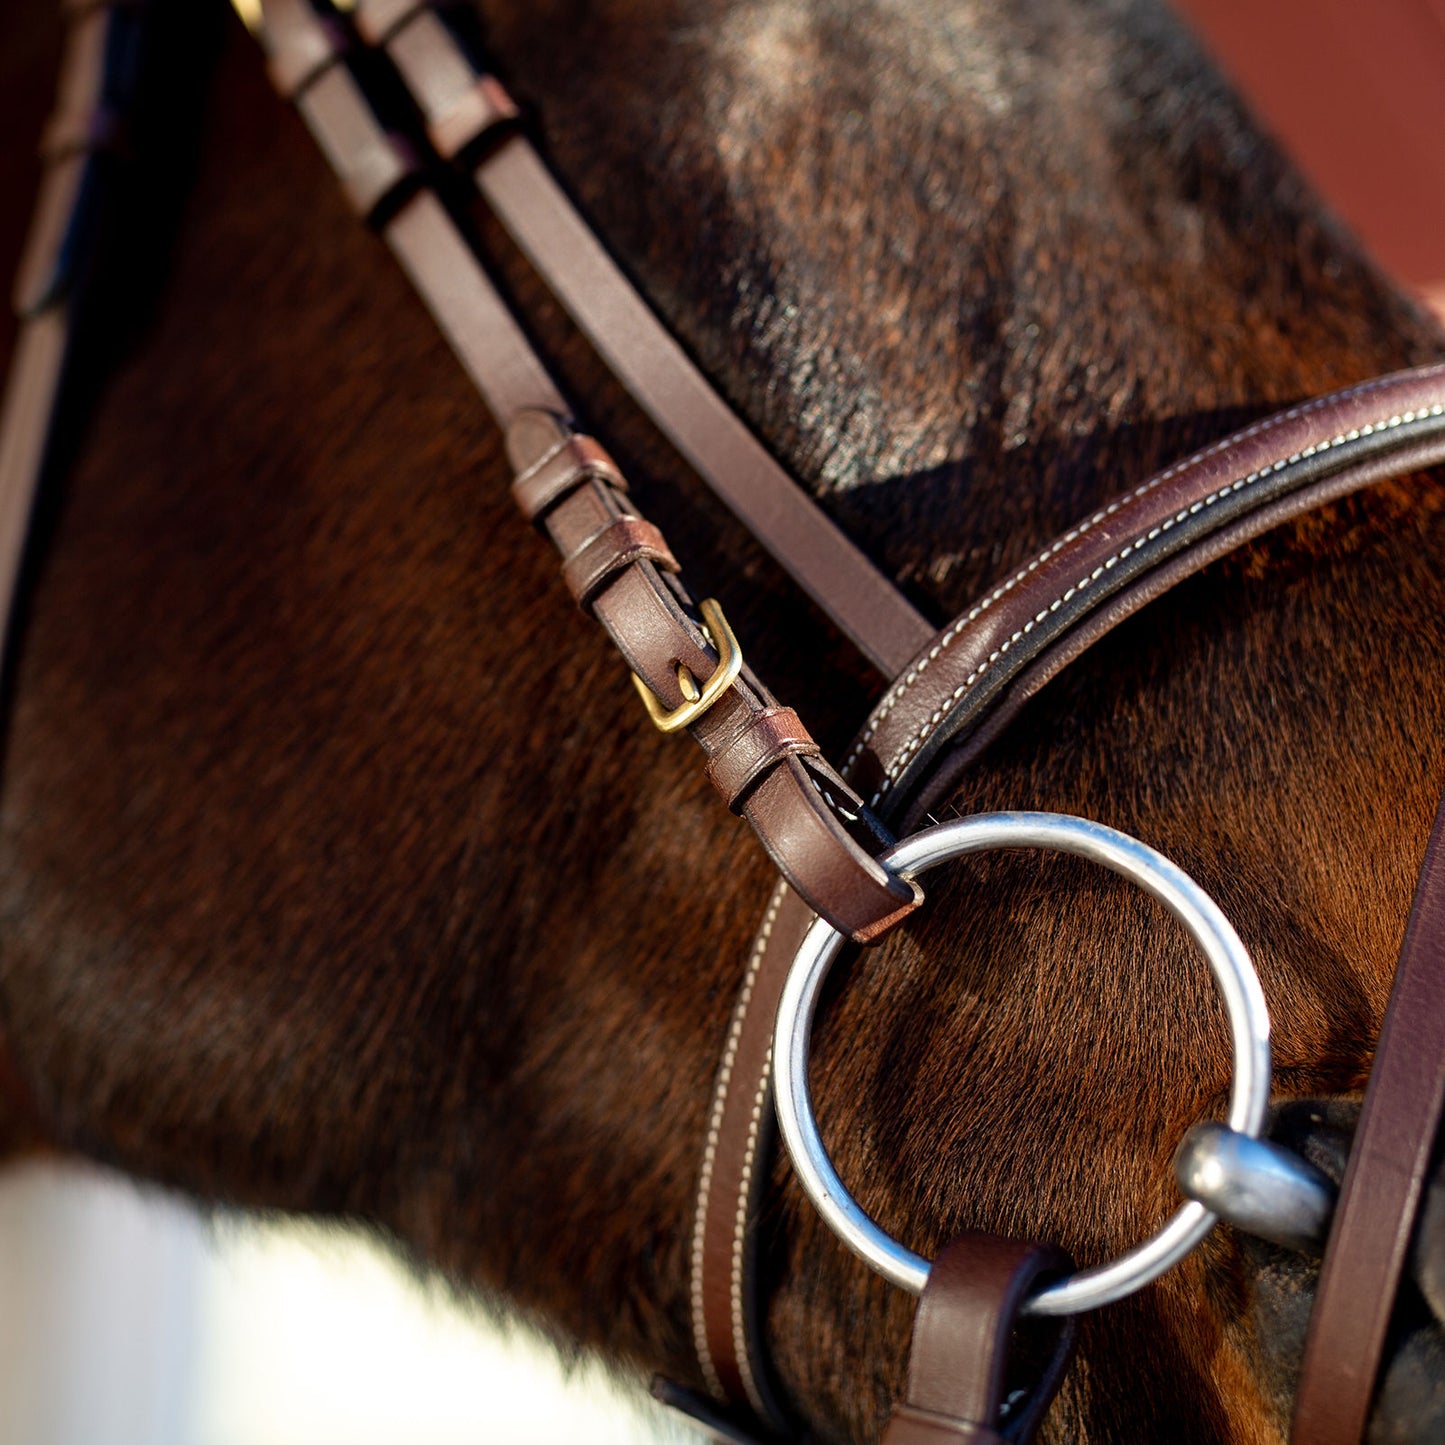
x=961, y=1388
x=1380, y=1197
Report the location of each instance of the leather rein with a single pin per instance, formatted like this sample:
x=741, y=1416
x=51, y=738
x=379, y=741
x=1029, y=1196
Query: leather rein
x=952, y=691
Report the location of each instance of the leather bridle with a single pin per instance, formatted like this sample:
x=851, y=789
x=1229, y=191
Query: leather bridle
x=953, y=690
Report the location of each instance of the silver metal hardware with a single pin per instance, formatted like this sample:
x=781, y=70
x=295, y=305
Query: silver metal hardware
x=1256, y=1186
x=1233, y=973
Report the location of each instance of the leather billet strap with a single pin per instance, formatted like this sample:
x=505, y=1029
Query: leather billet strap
x=1384, y=1180
x=761, y=759
x=462, y=104
x=84, y=139
x=959, y=1378
x=961, y=690
x=723, y=1286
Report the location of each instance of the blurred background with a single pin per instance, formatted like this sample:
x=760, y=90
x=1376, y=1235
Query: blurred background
x=1356, y=94
x=128, y=1320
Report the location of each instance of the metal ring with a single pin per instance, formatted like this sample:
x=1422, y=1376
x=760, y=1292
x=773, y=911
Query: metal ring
x=1233, y=973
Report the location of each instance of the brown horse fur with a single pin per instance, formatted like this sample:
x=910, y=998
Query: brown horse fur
x=341, y=871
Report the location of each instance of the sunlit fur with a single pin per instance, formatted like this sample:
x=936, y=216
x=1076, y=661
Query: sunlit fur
x=339, y=870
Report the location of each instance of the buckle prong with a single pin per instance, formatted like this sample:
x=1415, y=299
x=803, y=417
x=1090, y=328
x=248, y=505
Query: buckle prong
x=697, y=700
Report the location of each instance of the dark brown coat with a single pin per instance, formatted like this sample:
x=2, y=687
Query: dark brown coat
x=339, y=870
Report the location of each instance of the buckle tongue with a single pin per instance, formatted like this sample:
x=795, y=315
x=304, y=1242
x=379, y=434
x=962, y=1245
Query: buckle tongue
x=696, y=701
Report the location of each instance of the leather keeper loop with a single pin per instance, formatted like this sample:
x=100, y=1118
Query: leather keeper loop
x=377, y=21
x=300, y=46
x=372, y=165
x=462, y=105
x=603, y=555
x=486, y=108
x=552, y=461
x=83, y=116
x=764, y=741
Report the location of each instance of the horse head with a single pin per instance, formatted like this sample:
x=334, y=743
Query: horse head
x=343, y=874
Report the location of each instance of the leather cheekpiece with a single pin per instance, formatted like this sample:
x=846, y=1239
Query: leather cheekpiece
x=959, y=1379
x=1385, y=1180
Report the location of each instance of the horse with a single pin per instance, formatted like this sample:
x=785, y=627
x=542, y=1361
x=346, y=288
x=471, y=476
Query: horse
x=341, y=871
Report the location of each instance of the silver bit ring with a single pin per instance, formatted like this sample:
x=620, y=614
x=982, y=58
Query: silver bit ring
x=1233, y=973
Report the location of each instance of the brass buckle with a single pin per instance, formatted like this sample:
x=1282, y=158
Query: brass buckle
x=250, y=13
x=696, y=701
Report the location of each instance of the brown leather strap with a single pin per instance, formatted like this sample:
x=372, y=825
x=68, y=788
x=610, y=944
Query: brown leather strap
x=605, y=553
x=958, y=1390
x=863, y=604
x=1375, y=1216
x=975, y=675
x=103, y=51
x=463, y=105
x=759, y=744
x=985, y=662
x=95, y=89
x=735, y=1153
x=810, y=822
x=81, y=120
x=299, y=44
x=797, y=805
x=99, y=68
x=31, y=393
x=473, y=318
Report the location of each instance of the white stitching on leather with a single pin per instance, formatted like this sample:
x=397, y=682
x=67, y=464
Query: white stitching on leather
x=709, y=1157
x=843, y=812
x=740, y=1243
x=895, y=694
x=896, y=766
